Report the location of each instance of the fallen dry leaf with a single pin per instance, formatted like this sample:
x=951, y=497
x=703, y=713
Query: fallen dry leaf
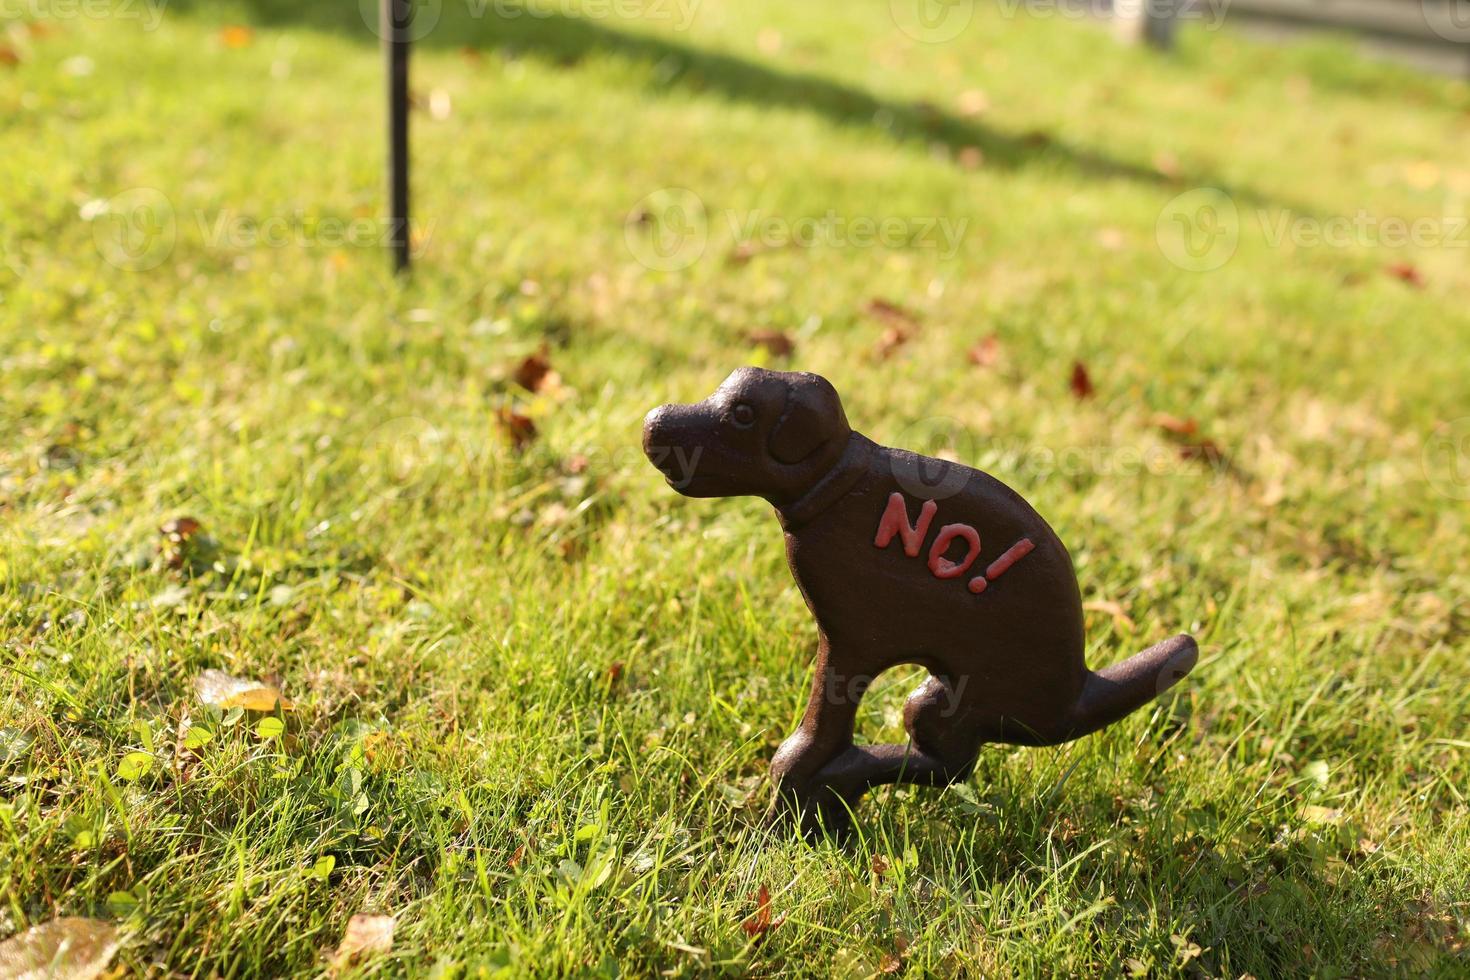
x=1081, y=382
x=1406, y=272
x=237, y=37
x=1113, y=609
x=900, y=326
x=366, y=935
x=892, y=339
x=9, y=56
x=518, y=428
x=986, y=353
x=760, y=922
x=775, y=342
x=742, y=254
x=614, y=673
x=973, y=102
x=1174, y=425
x=891, y=314
x=224, y=691
x=971, y=158
x=890, y=963
x=70, y=947
x=532, y=373
x=180, y=529
x=1167, y=164
x=1204, y=450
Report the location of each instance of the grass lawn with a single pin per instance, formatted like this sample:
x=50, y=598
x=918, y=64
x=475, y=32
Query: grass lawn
x=534, y=691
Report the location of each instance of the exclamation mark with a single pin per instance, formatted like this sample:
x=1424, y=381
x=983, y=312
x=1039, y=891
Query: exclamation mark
x=1001, y=565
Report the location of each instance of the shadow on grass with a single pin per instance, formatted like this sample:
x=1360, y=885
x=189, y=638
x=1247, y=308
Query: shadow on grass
x=1263, y=897
x=566, y=40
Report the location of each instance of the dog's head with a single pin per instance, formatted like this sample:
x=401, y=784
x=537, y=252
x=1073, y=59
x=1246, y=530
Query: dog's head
x=770, y=434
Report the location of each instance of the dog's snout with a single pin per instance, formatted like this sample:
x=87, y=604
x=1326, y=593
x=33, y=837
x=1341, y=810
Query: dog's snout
x=669, y=430
x=655, y=433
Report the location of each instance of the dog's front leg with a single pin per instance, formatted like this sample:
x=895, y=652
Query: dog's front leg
x=838, y=686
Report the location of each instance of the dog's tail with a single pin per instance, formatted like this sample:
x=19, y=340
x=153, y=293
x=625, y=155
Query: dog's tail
x=1119, y=690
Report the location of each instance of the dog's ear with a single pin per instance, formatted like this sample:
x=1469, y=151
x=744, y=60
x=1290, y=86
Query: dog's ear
x=812, y=418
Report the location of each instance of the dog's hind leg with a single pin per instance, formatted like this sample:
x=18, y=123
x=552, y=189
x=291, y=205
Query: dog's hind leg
x=934, y=716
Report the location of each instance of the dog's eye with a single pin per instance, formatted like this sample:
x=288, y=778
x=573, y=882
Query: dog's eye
x=743, y=416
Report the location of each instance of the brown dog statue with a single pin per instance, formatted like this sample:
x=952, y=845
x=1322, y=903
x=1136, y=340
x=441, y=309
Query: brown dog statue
x=903, y=559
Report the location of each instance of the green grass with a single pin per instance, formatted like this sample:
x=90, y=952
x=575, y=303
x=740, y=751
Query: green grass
x=535, y=691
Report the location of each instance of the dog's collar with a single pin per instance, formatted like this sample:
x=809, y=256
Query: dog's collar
x=831, y=488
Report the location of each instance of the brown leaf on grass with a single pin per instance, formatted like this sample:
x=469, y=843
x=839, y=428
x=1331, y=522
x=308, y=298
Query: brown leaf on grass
x=759, y=922
x=900, y=325
x=776, y=343
x=1186, y=433
x=366, y=935
x=71, y=947
x=892, y=339
x=1174, y=425
x=1113, y=609
x=615, y=673
x=1081, y=382
x=742, y=254
x=533, y=372
x=515, y=859
x=180, y=529
x=471, y=54
x=9, y=57
x=518, y=428
x=1204, y=450
x=972, y=102
x=176, y=536
x=891, y=314
x=890, y=963
x=986, y=353
x=879, y=865
x=236, y=36
x=1406, y=272
x=224, y=691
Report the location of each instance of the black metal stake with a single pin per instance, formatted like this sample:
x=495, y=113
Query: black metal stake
x=396, y=21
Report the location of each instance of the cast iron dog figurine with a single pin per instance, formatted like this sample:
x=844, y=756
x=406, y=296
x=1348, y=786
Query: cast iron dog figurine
x=903, y=559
